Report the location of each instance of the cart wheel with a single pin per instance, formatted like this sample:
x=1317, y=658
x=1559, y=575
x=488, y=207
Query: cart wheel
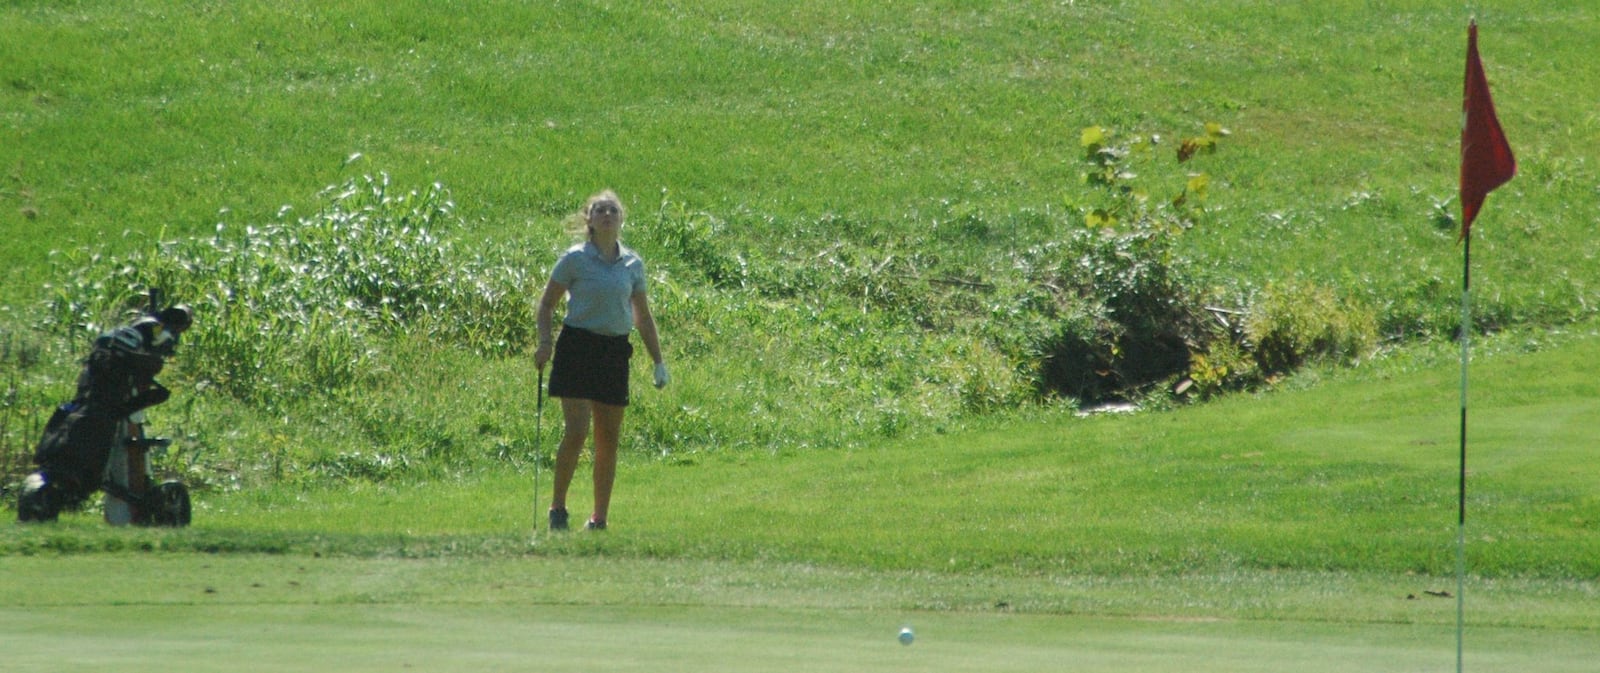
x=37, y=501
x=171, y=505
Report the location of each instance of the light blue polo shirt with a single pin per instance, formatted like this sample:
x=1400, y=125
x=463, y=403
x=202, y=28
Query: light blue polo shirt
x=600, y=293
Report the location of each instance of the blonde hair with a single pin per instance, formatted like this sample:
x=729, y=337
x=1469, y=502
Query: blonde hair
x=578, y=223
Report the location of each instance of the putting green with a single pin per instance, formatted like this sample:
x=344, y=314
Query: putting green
x=187, y=612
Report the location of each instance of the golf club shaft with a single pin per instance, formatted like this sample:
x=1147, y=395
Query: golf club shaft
x=538, y=446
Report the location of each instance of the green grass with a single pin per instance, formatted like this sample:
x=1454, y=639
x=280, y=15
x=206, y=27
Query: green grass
x=824, y=467
x=1355, y=473
x=561, y=638
x=235, y=612
x=855, y=156
x=1352, y=477
x=888, y=118
x=1309, y=528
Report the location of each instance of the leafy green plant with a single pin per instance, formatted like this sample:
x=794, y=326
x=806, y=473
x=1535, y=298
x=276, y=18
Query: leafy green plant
x=27, y=396
x=988, y=381
x=1295, y=323
x=296, y=306
x=1224, y=367
x=697, y=239
x=1137, y=303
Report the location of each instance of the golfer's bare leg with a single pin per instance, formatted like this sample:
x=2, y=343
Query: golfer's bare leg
x=607, y=435
x=576, y=414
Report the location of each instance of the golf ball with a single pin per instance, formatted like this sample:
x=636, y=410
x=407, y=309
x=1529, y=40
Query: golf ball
x=906, y=636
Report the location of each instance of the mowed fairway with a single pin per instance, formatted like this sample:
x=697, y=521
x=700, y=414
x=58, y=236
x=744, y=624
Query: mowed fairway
x=267, y=613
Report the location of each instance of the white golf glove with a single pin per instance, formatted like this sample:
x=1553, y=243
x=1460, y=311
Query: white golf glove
x=661, y=375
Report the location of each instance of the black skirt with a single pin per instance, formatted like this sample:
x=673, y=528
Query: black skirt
x=590, y=366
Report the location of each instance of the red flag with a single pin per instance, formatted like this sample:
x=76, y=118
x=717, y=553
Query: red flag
x=1486, y=161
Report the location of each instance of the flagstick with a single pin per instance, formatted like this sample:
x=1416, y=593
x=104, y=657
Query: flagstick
x=1486, y=163
x=1461, y=512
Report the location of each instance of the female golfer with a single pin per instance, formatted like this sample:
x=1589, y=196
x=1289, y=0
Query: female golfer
x=604, y=284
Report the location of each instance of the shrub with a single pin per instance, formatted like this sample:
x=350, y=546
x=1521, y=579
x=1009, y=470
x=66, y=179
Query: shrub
x=1296, y=323
x=1224, y=367
x=1134, y=304
x=986, y=380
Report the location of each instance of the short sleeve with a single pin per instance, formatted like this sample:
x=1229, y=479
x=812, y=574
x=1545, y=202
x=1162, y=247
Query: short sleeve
x=639, y=284
x=566, y=269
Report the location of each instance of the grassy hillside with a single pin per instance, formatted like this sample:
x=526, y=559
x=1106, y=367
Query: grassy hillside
x=772, y=116
x=859, y=216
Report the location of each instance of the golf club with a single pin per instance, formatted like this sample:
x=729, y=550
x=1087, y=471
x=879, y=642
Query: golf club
x=538, y=446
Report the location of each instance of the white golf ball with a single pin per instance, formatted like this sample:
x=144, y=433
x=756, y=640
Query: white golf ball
x=906, y=636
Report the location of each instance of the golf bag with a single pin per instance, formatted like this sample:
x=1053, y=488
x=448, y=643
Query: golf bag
x=83, y=452
x=96, y=442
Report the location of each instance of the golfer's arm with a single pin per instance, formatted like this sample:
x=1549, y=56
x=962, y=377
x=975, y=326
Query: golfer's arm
x=646, y=324
x=544, y=314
